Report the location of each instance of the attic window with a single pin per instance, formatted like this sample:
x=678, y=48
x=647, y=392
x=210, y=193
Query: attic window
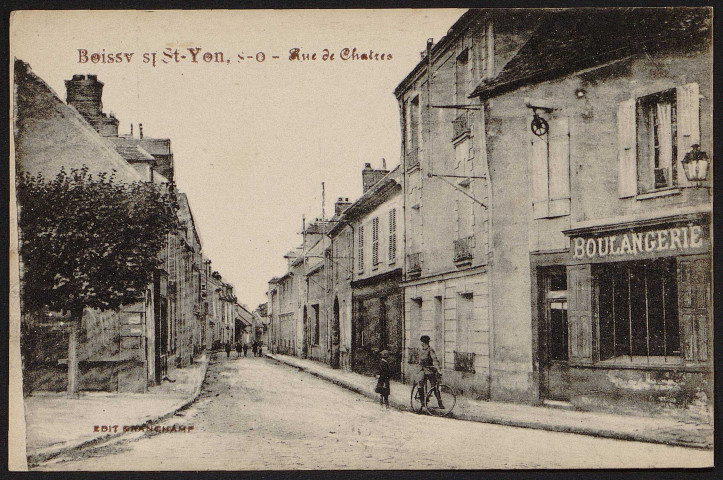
x=463, y=56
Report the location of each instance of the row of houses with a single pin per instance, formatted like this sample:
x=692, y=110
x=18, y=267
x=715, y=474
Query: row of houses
x=549, y=223
x=188, y=306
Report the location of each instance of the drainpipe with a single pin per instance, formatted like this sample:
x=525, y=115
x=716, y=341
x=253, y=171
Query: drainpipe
x=490, y=251
x=403, y=164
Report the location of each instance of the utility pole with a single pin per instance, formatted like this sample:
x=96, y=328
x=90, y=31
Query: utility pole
x=323, y=194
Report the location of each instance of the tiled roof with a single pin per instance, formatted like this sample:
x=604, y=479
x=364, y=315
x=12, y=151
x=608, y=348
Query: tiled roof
x=574, y=39
x=130, y=150
x=50, y=135
x=155, y=146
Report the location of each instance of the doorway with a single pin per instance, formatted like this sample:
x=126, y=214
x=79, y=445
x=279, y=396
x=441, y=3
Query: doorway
x=335, y=335
x=553, y=352
x=305, y=346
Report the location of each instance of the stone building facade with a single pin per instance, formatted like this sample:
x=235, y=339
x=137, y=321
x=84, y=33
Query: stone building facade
x=377, y=295
x=613, y=241
x=129, y=349
x=446, y=198
x=552, y=135
x=340, y=261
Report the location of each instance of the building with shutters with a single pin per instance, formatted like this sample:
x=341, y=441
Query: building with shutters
x=592, y=214
x=555, y=247
x=446, y=195
x=377, y=295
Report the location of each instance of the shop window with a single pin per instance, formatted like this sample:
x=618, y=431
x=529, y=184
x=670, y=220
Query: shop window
x=654, y=134
x=638, y=312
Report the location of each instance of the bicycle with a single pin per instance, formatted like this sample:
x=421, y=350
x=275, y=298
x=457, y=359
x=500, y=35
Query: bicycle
x=445, y=392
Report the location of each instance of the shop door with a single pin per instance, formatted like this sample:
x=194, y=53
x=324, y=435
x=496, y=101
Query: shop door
x=335, y=334
x=554, y=357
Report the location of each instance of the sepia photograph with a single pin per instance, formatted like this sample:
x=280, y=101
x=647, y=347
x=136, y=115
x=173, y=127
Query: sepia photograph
x=361, y=239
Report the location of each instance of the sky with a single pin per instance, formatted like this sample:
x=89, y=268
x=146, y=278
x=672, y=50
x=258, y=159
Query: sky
x=252, y=138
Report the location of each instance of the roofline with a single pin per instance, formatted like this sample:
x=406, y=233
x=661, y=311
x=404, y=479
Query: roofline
x=378, y=188
x=374, y=189
x=603, y=58
x=452, y=34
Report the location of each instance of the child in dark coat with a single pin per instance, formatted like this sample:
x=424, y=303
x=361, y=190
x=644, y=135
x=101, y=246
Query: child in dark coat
x=383, y=381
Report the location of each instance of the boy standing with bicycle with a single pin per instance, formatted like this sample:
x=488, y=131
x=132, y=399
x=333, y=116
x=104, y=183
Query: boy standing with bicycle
x=429, y=370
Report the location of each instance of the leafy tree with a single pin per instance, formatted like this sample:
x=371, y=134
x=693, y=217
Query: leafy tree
x=88, y=242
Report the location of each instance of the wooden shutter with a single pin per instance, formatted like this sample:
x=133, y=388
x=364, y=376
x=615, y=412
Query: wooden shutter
x=688, y=104
x=627, y=152
x=559, y=167
x=539, y=173
x=392, y=234
x=375, y=241
x=579, y=313
x=360, y=252
x=694, y=302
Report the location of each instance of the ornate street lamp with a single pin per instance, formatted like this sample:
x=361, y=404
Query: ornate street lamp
x=695, y=163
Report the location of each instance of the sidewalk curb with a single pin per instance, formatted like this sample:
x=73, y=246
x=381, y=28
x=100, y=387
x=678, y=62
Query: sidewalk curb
x=511, y=422
x=52, y=452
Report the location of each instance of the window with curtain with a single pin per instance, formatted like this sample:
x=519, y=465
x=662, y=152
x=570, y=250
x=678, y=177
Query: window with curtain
x=657, y=132
x=654, y=134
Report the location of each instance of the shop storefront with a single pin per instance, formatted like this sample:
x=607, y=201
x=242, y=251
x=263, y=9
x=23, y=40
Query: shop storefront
x=377, y=322
x=626, y=315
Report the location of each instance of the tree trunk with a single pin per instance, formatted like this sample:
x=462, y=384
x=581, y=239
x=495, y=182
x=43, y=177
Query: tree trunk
x=75, y=321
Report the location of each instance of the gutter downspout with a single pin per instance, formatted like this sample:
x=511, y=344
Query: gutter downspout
x=490, y=250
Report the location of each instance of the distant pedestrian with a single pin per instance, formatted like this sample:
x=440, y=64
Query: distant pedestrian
x=254, y=347
x=246, y=349
x=228, y=349
x=259, y=348
x=239, y=348
x=383, y=381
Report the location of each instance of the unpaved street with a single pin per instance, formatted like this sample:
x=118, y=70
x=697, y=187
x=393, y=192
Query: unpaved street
x=257, y=414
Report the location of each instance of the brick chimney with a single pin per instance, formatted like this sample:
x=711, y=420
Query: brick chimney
x=371, y=176
x=85, y=95
x=341, y=205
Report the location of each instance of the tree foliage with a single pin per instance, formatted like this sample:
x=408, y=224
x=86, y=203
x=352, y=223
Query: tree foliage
x=89, y=241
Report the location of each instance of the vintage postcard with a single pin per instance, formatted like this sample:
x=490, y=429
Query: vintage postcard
x=361, y=239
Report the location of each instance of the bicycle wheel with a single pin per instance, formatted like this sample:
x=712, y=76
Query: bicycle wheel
x=416, y=399
x=448, y=400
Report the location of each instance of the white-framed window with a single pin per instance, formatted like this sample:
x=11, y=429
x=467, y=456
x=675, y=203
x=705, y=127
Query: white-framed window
x=412, y=126
x=463, y=74
x=550, y=170
x=392, y=234
x=655, y=131
x=375, y=241
x=360, y=249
